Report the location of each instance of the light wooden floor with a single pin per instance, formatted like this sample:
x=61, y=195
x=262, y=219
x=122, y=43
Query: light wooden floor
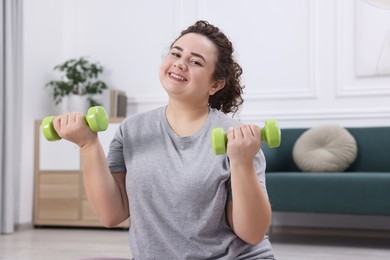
x=329, y=244
x=69, y=244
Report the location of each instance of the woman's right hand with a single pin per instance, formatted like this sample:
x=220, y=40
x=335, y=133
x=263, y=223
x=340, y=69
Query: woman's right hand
x=72, y=127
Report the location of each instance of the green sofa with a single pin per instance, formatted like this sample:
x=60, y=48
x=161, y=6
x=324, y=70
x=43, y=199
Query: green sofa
x=362, y=189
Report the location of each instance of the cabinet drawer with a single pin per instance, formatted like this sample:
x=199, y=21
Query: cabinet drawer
x=60, y=209
x=58, y=195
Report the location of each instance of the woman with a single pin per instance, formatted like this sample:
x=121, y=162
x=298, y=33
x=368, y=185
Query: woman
x=184, y=202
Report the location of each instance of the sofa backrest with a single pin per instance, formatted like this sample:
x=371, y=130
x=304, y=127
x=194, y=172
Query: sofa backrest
x=280, y=159
x=373, y=144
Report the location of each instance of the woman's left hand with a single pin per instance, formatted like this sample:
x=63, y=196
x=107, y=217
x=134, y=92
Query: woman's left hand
x=244, y=142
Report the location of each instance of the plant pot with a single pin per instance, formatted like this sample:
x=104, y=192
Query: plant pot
x=75, y=103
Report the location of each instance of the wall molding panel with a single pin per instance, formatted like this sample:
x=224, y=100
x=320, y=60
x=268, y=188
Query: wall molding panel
x=309, y=91
x=280, y=95
x=315, y=115
x=348, y=84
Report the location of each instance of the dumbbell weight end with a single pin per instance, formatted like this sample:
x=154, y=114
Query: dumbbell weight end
x=96, y=119
x=270, y=133
x=48, y=129
x=218, y=140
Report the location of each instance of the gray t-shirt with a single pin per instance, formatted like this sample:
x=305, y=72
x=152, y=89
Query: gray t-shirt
x=177, y=189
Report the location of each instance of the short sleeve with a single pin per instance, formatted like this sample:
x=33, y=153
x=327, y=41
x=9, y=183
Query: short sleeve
x=115, y=158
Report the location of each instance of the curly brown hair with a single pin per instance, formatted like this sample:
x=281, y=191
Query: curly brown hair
x=229, y=98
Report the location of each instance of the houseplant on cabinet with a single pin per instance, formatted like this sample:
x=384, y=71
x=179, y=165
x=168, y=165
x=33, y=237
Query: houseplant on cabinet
x=79, y=80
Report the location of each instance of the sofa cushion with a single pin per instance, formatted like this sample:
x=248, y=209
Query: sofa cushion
x=361, y=193
x=325, y=148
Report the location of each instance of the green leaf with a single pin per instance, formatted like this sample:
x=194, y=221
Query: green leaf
x=79, y=77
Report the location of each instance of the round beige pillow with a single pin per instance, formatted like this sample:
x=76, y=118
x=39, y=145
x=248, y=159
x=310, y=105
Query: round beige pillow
x=326, y=148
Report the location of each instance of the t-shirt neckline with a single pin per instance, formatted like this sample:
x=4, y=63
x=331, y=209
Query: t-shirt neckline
x=189, y=138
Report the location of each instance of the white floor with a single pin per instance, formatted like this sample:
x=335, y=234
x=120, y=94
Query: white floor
x=69, y=244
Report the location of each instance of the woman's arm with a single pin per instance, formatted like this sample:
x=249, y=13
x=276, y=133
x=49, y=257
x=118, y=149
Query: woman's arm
x=105, y=191
x=249, y=211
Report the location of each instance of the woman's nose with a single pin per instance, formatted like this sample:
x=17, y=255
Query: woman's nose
x=180, y=65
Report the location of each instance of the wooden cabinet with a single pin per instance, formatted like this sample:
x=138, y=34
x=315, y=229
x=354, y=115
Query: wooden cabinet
x=59, y=195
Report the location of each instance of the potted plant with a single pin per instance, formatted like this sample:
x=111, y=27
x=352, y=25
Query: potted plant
x=80, y=77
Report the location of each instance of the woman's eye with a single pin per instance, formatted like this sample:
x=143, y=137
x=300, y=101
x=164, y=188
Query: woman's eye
x=175, y=54
x=196, y=62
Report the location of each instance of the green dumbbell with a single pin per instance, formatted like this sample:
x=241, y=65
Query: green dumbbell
x=270, y=133
x=96, y=119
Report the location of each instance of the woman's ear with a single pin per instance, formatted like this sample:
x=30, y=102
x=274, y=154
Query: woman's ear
x=217, y=86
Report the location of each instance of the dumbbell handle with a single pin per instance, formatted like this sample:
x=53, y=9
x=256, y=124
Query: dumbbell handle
x=270, y=133
x=96, y=119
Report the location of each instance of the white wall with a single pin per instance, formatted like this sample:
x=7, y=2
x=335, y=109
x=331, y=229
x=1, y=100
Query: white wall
x=42, y=49
x=297, y=56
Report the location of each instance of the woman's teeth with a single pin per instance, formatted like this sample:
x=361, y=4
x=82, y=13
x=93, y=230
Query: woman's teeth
x=177, y=77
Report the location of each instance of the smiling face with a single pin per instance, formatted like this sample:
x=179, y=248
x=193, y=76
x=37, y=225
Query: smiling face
x=186, y=72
